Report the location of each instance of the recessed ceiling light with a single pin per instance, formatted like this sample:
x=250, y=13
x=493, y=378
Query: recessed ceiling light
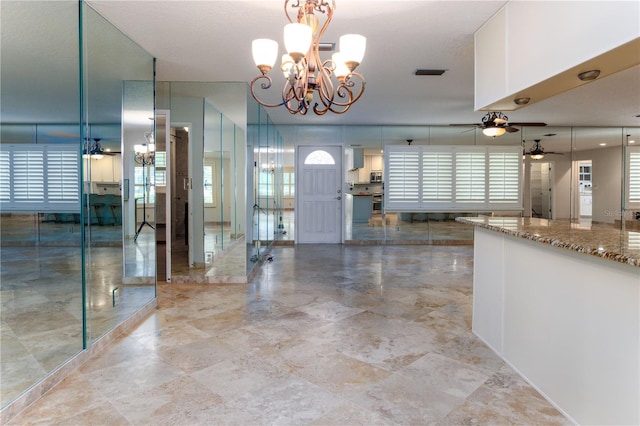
x=521, y=101
x=632, y=141
x=603, y=144
x=589, y=75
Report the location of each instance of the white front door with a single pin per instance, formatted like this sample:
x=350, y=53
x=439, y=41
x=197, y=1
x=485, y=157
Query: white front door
x=319, y=197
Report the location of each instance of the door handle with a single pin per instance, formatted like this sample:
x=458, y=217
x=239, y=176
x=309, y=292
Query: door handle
x=338, y=198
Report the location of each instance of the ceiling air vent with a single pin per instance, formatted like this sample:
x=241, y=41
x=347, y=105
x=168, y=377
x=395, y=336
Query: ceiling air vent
x=429, y=72
x=327, y=47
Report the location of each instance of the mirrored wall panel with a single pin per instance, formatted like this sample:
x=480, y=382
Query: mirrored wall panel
x=206, y=178
x=582, y=176
x=64, y=185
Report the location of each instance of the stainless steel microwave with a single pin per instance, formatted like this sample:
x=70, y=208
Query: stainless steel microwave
x=375, y=177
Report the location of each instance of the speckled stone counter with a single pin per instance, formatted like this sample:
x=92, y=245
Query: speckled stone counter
x=605, y=241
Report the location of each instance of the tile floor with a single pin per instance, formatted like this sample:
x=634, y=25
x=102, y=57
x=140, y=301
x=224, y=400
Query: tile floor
x=323, y=335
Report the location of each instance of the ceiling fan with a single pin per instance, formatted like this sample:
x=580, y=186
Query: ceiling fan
x=537, y=152
x=497, y=124
x=94, y=150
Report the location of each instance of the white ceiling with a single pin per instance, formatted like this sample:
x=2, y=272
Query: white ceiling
x=211, y=41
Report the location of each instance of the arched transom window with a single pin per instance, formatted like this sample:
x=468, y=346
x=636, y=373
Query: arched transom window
x=319, y=157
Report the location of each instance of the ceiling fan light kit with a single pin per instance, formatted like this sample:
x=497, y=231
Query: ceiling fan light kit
x=310, y=83
x=496, y=124
x=494, y=131
x=93, y=150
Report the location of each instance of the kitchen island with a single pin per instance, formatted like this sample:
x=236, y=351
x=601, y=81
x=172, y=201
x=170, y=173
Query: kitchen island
x=362, y=207
x=560, y=303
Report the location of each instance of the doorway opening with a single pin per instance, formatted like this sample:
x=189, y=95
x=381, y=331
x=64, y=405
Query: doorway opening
x=542, y=190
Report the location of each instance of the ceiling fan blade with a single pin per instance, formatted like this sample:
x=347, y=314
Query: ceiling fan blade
x=511, y=129
x=467, y=125
x=528, y=124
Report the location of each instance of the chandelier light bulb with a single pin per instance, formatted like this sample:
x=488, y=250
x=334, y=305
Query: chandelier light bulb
x=352, y=47
x=297, y=40
x=265, y=52
x=287, y=65
x=341, y=70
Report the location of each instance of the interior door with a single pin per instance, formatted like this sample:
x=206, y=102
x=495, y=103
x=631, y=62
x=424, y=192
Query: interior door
x=319, y=197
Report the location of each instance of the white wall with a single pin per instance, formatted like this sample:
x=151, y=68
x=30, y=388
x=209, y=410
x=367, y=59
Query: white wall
x=607, y=182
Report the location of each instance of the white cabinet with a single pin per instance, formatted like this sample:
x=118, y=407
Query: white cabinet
x=375, y=163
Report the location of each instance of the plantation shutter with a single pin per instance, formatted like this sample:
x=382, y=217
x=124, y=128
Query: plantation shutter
x=437, y=176
x=62, y=176
x=504, y=177
x=403, y=178
x=40, y=178
x=470, y=177
x=452, y=178
x=633, y=199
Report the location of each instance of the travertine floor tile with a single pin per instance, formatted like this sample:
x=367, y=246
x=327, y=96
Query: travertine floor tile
x=324, y=335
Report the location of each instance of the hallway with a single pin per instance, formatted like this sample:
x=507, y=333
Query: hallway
x=326, y=335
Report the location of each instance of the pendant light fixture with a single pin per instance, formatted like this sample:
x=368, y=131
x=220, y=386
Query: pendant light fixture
x=311, y=83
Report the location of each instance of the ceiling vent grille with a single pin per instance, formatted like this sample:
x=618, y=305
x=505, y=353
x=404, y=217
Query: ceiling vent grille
x=429, y=72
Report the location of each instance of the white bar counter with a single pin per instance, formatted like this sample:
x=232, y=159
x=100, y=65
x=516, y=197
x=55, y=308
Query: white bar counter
x=561, y=304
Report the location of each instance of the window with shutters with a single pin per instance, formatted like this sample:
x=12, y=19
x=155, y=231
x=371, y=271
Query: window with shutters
x=453, y=178
x=504, y=177
x=40, y=178
x=633, y=166
x=437, y=176
x=403, y=177
x=470, y=176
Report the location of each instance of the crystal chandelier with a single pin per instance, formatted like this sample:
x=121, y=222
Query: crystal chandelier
x=310, y=83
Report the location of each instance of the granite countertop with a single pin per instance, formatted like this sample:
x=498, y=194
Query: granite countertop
x=600, y=240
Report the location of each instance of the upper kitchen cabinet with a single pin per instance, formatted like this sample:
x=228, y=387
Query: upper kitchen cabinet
x=375, y=162
x=358, y=158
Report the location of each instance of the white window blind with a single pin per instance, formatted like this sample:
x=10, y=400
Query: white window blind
x=633, y=199
x=40, y=178
x=470, y=176
x=453, y=178
x=504, y=177
x=5, y=177
x=403, y=177
x=437, y=176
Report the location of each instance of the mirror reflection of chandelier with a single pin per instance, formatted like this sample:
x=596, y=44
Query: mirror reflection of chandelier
x=310, y=83
x=145, y=153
